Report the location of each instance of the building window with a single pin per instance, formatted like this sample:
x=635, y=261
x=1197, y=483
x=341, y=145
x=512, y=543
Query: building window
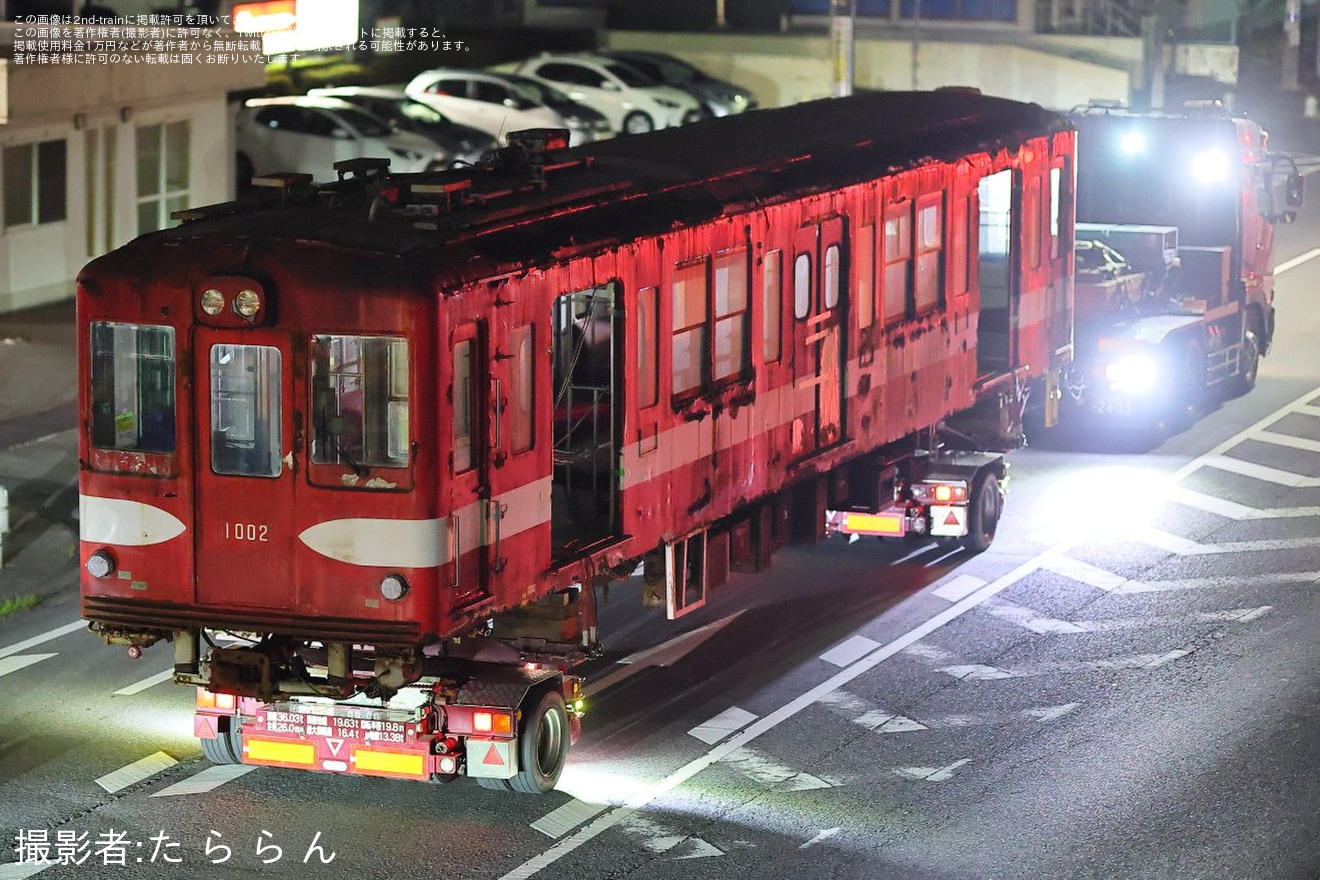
x=898, y=260
x=162, y=174
x=35, y=184
x=731, y=343
x=648, y=346
x=772, y=305
x=360, y=400
x=930, y=252
x=691, y=349
x=133, y=369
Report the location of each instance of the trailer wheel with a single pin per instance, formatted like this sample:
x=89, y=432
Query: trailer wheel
x=493, y=784
x=1248, y=366
x=543, y=745
x=983, y=511
x=227, y=748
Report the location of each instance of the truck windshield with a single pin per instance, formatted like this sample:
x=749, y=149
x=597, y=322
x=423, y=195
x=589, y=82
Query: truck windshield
x=360, y=401
x=133, y=387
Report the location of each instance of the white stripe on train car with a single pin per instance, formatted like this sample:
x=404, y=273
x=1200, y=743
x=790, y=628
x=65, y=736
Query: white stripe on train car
x=126, y=523
x=402, y=543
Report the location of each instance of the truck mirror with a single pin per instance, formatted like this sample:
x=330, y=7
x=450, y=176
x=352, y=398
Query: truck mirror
x=1295, y=188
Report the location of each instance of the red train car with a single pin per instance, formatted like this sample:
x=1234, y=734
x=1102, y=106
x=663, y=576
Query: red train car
x=361, y=451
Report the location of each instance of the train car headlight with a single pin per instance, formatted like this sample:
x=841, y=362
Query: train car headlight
x=247, y=303
x=1134, y=374
x=394, y=587
x=100, y=564
x=213, y=301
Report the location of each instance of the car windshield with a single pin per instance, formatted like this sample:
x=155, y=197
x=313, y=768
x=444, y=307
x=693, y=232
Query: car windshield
x=630, y=76
x=420, y=112
x=366, y=124
x=537, y=92
x=669, y=70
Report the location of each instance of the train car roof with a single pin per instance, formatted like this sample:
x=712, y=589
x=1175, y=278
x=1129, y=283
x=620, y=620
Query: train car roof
x=509, y=214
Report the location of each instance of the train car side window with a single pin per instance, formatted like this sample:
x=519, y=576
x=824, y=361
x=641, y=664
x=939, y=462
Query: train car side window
x=691, y=345
x=245, y=410
x=898, y=260
x=930, y=252
x=772, y=305
x=648, y=346
x=731, y=342
x=360, y=400
x=521, y=394
x=463, y=405
x=864, y=254
x=1031, y=223
x=133, y=368
x=832, y=279
x=1056, y=194
x=958, y=246
x=801, y=286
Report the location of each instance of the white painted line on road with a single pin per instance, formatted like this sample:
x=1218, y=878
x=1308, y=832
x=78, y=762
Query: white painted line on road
x=136, y=772
x=1303, y=443
x=22, y=661
x=850, y=651
x=931, y=774
x=1308, y=409
x=767, y=771
x=981, y=672
x=1029, y=619
x=730, y=721
x=880, y=721
x=877, y=720
x=824, y=835
x=958, y=588
x=1283, y=578
x=1040, y=624
x=1262, y=472
x=1286, y=265
x=791, y=709
x=209, y=779
x=1235, y=511
x=559, y=822
x=22, y=870
x=43, y=638
x=1184, y=547
x=138, y=687
x=659, y=838
x=1091, y=575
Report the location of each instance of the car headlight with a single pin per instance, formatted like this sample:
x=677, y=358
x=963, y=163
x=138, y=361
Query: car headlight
x=1133, y=374
x=667, y=102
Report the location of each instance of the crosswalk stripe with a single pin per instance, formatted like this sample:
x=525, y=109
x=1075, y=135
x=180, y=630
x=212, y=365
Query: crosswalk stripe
x=1261, y=472
x=22, y=661
x=564, y=819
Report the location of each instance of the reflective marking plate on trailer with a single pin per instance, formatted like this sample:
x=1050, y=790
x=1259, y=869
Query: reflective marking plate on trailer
x=874, y=523
x=399, y=763
x=491, y=759
x=948, y=520
x=263, y=751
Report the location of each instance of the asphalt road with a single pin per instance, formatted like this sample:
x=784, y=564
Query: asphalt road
x=1124, y=686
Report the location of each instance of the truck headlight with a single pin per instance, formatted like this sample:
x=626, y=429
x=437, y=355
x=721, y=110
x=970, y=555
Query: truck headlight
x=1210, y=166
x=1134, y=374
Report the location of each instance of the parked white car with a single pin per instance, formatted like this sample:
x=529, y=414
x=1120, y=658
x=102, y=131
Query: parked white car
x=633, y=102
x=498, y=104
x=310, y=134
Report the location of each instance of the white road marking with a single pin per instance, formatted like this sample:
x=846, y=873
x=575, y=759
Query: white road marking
x=559, y=822
x=22, y=661
x=1308, y=409
x=22, y=870
x=730, y=721
x=1233, y=510
x=138, y=687
x=1303, y=443
x=134, y=773
x=849, y=651
x=1091, y=575
x=1282, y=578
x=660, y=838
x=43, y=638
x=1262, y=472
x=1038, y=623
x=806, y=699
x=981, y=672
x=931, y=774
x=1286, y=265
x=958, y=588
x=665, y=654
x=209, y=779
x=767, y=771
x=824, y=835
x=864, y=714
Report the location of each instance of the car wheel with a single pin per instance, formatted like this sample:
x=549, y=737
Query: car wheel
x=637, y=122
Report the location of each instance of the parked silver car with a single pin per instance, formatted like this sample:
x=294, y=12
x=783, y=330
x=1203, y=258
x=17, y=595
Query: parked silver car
x=720, y=98
x=461, y=143
x=633, y=102
x=311, y=134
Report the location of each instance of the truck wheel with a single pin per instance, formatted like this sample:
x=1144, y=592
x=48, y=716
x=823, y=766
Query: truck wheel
x=543, y=745
x=983, y=511
x=493, y=784
x=1248, y=366
x=227, y=748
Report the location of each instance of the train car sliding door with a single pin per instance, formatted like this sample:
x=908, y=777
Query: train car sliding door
x=245, y=478
x=818, y=303
x=469, y=520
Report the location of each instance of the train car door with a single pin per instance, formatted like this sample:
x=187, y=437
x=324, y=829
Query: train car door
x=245, y=478
x=469, y=520
x=818, y=273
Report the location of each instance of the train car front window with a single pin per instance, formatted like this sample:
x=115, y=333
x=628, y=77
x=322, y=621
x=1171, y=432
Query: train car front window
x=133, y=368
x=360, y=400
x=245, y=410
